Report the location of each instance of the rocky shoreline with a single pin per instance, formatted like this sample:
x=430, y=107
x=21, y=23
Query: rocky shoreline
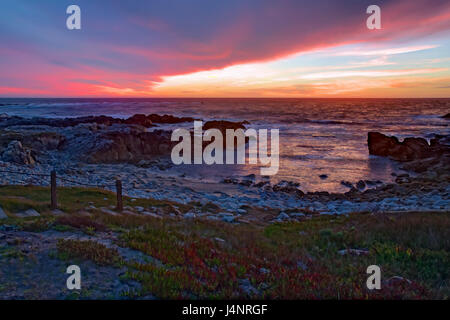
x=95, y=151
x=237, y=219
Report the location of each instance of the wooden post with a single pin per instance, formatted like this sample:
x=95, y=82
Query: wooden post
x=54, y=203
x=119, y=195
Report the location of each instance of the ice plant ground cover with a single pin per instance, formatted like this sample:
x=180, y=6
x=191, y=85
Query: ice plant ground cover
x=134, y=255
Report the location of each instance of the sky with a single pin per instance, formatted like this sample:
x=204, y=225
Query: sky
x=225, y=48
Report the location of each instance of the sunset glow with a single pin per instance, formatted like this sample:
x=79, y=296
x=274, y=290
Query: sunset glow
x=229, y=51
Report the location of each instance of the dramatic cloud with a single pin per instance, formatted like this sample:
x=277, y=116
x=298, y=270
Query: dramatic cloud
x=130, y=47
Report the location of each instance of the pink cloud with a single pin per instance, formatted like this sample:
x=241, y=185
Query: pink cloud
x=143, y=51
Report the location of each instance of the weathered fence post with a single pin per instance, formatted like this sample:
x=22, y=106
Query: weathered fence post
x=119, y=195
x=54, y=202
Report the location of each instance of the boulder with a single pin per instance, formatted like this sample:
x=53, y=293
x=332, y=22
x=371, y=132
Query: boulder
x=28, y=213
x=283, y=216
x=228, y=219
x=440, y=141
x=2, y=214
x=16, y=153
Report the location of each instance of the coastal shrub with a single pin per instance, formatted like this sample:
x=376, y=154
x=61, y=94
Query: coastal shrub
x=87, y=249
x=38, y=224
x=21, y=193
x=125, y=222
x=81, y=222
x=414, y=230
x=417, y=263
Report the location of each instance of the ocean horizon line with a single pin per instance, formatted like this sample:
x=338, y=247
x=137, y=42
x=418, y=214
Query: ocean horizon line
x=236, y=98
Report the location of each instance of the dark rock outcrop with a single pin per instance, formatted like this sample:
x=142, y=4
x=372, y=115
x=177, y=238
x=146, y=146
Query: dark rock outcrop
x=447, y=116
x=408, y=150
x=44, y=141
x=36, y=143
x=132, y=146
x=287, y=187
x=16, y=153
x=95, y=139
x=360, y=185
x=140, y=119
x=223, y=125
x=137, y=119
x=66, y=122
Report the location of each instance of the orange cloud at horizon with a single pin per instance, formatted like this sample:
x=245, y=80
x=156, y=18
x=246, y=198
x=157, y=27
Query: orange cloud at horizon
x=351, y=80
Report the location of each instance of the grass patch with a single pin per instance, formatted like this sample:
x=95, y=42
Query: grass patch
x=16, y=204
x=71, y=199
x=81, y=222
x=87, y=250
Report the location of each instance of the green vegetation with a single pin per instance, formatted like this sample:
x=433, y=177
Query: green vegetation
x=202, y=259
x=295, y=260
x=70, y=199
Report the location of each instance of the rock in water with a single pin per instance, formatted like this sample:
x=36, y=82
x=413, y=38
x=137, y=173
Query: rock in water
x=137, y=119
x=223, y=125
x=155, y=118
x=360, y=184
x=410, y=149
x=140, y=119
x=283, y=216
x=16, y=153
x=347, y=184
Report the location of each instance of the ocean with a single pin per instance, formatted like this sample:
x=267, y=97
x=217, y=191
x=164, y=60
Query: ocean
x=318, y=137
